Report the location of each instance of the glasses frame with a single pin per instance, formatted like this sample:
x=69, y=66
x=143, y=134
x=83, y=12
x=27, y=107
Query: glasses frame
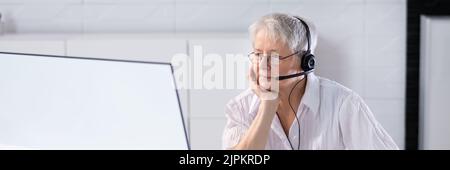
x=279, y=57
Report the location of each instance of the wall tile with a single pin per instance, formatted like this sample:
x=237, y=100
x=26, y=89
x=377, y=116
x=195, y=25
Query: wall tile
x=55, y=18
x=386, y=51
x=390, y=114
x=41, y=1
x=338, y=53
x=50, y=47
x=216, y=16
x=316, y=2
x=385, y=18
x=200, y=97
x=129, y=18
x=385, y=83
x=93, y=2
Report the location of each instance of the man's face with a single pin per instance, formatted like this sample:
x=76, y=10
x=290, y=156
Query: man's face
x=267, y=47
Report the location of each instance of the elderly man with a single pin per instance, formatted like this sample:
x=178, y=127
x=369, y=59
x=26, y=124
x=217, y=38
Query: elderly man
x=287, y=106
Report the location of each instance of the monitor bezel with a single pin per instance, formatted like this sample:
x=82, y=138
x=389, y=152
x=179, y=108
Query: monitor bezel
x=120, y=60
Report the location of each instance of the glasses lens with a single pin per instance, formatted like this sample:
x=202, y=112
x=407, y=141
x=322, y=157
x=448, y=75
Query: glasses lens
x=274, y=54
x=253, y=57
x=257, y=57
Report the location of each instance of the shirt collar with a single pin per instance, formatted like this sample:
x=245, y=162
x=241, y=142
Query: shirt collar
x=311, y=98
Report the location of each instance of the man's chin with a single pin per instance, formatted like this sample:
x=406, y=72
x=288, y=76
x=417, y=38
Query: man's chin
x=266, y=84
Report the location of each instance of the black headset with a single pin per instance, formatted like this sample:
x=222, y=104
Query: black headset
x=307, y=61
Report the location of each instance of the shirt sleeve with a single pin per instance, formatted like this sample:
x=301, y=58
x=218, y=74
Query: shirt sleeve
x=360, y=129
x=235, y=126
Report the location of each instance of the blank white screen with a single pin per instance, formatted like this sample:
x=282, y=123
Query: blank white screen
x=66, y=103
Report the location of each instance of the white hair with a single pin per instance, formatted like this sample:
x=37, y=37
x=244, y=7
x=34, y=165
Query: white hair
x=286, y=28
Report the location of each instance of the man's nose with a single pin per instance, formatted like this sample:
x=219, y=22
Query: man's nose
x=266, y=62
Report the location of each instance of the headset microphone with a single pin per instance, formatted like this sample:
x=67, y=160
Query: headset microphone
x=294, y=75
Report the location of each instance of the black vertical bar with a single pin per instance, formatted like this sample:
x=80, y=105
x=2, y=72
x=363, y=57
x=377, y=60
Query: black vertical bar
x=412, y=75
x=416, y=8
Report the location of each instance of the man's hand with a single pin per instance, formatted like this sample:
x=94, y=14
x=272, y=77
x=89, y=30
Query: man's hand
x=264, y=85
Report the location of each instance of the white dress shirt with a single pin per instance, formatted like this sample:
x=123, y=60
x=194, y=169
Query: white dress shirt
x=331, y=117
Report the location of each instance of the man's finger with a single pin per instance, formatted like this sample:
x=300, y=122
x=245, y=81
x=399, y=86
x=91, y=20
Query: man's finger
x=252, y=75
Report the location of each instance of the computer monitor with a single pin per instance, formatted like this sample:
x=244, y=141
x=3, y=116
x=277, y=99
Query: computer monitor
x=60, y=102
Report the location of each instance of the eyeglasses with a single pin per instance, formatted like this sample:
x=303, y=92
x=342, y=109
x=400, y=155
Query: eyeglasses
x=255, y=56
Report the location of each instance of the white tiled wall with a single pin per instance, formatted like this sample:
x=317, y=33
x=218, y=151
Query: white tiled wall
x=361, y=42
x=207, y=106
x=50, y=47
x=385, y=63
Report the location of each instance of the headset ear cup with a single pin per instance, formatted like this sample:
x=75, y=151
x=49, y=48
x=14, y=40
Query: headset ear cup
x=308, y=62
